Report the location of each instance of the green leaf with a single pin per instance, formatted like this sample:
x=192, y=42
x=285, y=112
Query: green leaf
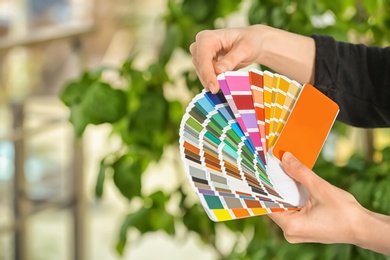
x=356, y=163
x=136, y=219
x=257, y=13
x=147, y=126
x=190, y=29
x=166, y=222
x=199, y=10
x=341, y=128
x=103, y=104
x=299, y=251
x=326, y=170
x=368, y=254
x=386, y=154
x=127, y=175
x=175, y=115
x=338, y=251
x=363, y=191
x=174, y=8
x=73, y=93
x=172, y=39
x=192, y=81
x=371, y=6
x=127, y=66
x=151, y=217
x=159, y=199
x=278, y=17
x=93, y=102
x=137, y=88
x=227, y=7
x=382, y=197
x=78, y=119
x=99, y=187
x=92, y=76
x=195, y=219
x=158, y=75
x=159, y=217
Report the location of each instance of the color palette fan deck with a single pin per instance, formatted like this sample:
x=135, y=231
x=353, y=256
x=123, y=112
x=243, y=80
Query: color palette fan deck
x=232, y=142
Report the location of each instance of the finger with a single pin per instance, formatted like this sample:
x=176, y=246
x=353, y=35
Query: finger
x=232, y=60
x=193, y=52
x=298, y=171
x=291, y=224
x=193, y=48
x=282, y=218
x=205, y=51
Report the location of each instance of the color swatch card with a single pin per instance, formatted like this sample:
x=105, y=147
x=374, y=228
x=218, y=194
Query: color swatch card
x=232, y=142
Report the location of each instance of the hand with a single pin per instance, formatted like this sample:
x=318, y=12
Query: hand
x=331, y=215
x=216, y=51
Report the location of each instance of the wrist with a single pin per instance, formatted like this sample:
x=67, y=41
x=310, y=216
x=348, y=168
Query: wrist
x=368, y=228
x=287, y=53
x=267, y=38
x=359, y=226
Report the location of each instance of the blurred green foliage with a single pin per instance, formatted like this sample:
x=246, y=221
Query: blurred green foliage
x=141, y=104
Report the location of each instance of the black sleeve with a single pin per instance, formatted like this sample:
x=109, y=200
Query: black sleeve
x=357, y=78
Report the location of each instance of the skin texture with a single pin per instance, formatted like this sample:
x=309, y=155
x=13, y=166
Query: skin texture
x=331, y=215
x=217, y=51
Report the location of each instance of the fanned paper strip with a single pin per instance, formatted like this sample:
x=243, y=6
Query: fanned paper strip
x=230, y=143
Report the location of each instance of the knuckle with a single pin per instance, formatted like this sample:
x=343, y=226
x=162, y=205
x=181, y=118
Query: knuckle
x=203, y=35
x=290, y=239
x=194, y=60
x=301, y=168
x=227, y=62
x=195, y=64
x=192, y=48
x=291, y=233
x=351, y=198
x=246, y=52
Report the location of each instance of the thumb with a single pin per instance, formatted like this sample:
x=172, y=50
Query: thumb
x=299, y=172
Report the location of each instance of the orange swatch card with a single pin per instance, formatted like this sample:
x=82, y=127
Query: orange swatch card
x=307, y=126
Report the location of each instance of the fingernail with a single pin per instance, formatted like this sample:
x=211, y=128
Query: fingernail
x=211, y=87
x=290, y=160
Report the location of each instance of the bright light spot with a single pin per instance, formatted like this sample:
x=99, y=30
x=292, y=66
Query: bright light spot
x=323, y=21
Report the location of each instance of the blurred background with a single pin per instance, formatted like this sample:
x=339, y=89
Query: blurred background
x=91, y=97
